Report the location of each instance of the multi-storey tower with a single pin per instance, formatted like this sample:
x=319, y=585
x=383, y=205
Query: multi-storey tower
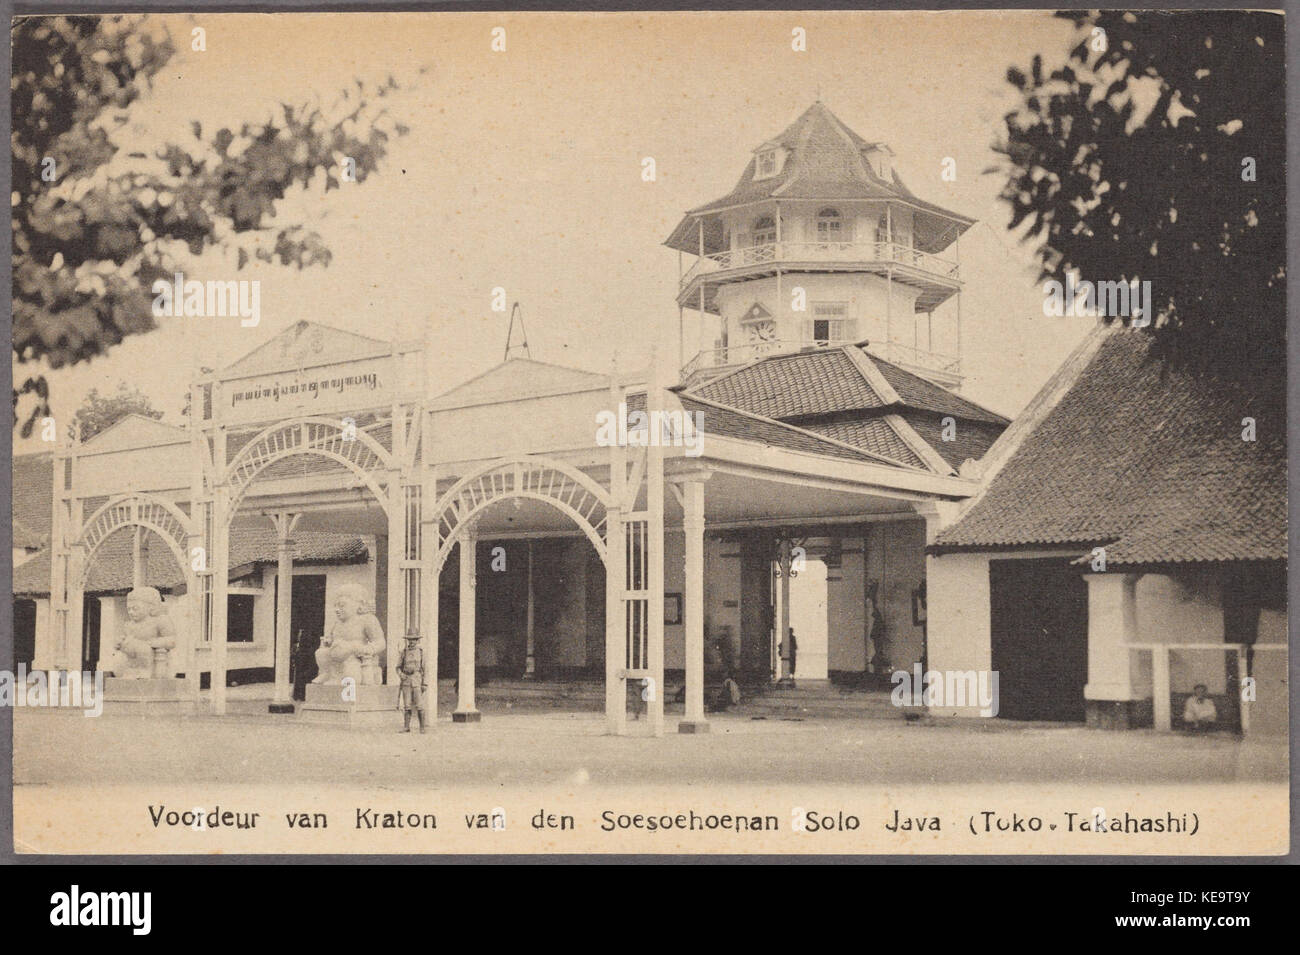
x=820, y=243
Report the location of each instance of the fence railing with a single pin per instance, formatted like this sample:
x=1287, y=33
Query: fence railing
x=780, y=252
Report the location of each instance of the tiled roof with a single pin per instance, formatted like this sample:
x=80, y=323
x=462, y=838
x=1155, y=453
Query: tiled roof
x=735, y=423
x=33, y=498
x=24, y=538
x=785, y=386
x=873, y=434
x=826, y=160
x=915, y=392
x=111, y=571
x=830, y=391
x=971, y=439
x=1148, y=462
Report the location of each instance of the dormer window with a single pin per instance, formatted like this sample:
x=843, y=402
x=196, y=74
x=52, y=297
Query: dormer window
x=765, y=165
x=879, y=158
x=830, y=227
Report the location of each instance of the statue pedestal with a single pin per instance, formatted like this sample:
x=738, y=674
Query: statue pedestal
x=161, y=656
x=374, y=706
x=154, y=696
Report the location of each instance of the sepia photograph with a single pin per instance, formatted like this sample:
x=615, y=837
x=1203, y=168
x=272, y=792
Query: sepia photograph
x=755, y=433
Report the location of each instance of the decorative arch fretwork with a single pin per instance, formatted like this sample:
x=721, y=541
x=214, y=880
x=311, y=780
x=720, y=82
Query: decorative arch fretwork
x=135, y=510
x=354, y=449
x=563, y=487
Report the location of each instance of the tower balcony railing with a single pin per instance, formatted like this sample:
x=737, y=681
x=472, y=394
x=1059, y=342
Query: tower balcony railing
x=866, y=253
x=943, y=368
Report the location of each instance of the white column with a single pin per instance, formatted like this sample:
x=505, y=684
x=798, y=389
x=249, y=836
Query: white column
x=616, y=580
x=783, y=616
x=1161, y=704
x=76, y=608
x=693, y=610
x=194, y=601
x=429, y=611
x=655, y=399
x=465, y=708
x=219, y=560
x=1112, y=623
x=284, y=524
x=139, y=557
x=530, y=649
x=430, y=558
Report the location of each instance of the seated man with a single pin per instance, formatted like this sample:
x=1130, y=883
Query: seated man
x=1199, y=714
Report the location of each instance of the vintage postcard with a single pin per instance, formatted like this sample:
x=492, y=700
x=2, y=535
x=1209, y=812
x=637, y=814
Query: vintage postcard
x=856, y=433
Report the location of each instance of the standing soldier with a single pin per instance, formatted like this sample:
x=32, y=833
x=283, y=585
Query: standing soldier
x=411, y=671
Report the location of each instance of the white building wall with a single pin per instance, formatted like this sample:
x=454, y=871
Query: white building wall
x=722, y=590
x=865, y=296
x=960, y=634
x=1182, y=609
x=1186, y=609
x=846, y=611
x=896, y=558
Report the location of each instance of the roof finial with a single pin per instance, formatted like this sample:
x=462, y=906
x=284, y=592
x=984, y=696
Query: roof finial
x=510, y=334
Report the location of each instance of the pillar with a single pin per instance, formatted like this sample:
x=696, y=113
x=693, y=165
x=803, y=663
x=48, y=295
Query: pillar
x=1114, y=694
x=656, y=398
x=431, y=558
x=783, y=617
x=465, y=709
x=693, y=609
x=530, y=650
x=1161, y=704
x=284, y=524
x=394, y=578
x=220, y=562
x=139, y=557
x=616, y=580
x=194, y=599
x=71, y=656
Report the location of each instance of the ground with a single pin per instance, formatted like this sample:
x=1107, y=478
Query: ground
x=556, y=748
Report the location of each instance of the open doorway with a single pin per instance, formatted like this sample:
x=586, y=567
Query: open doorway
x=307, y=613
x=24, y=633
x=808, y=604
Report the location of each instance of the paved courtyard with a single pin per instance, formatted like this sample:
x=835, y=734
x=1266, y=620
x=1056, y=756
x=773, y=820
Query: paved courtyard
x=555, y=748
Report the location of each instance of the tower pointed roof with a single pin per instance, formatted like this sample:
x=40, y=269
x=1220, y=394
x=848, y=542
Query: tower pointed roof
x=824, y=160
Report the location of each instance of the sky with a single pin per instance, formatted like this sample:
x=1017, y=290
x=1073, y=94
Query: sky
x=522, y=170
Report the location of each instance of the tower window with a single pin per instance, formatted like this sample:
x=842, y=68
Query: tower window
x=830, y=323
x=830, y=227
x=766, y=164
x=765, y=231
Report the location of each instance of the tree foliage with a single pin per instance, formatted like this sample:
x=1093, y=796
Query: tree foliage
x=89, y=244
x=1156, y=152
x=99, y=412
